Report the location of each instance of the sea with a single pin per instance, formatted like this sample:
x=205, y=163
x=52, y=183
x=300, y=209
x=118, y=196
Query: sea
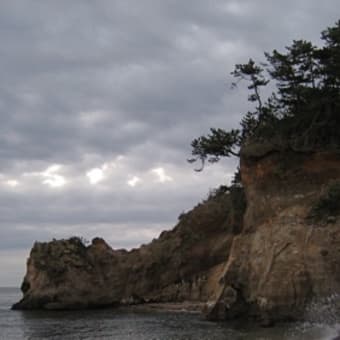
x=150, y=325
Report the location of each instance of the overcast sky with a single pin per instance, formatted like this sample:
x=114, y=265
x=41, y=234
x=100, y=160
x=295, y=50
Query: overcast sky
x=99, y=101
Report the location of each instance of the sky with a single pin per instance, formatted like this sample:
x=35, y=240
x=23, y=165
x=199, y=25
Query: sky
x=99, y=101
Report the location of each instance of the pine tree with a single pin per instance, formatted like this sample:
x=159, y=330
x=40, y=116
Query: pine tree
x=304, y=111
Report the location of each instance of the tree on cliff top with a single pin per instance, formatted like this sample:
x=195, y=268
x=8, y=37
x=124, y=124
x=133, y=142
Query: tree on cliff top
x=304, y=111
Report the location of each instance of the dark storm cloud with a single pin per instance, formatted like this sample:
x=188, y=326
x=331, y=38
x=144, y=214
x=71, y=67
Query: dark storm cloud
x=122, y=87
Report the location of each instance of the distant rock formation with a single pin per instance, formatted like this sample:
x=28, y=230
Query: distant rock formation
x=268, y=264
x=183, y=264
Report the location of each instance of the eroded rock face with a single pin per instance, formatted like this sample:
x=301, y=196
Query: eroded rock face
x=283, y=258
x=268, y=264
x=184, y=264
x=62, y=275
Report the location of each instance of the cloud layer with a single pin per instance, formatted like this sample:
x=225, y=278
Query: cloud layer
x=100, y=101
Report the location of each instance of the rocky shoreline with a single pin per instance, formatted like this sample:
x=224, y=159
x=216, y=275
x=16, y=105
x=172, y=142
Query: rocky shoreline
x=182, y=307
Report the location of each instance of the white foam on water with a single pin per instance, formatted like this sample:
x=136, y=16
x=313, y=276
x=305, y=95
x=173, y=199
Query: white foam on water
x=330, y=332
x=323, y=320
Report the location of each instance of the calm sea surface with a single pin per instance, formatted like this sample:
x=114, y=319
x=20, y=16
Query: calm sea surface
x=114, y=324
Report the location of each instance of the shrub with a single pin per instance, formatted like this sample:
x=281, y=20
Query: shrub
x=328, y=204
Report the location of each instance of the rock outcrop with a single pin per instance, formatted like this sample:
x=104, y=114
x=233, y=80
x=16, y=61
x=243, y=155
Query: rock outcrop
x=289, y=251
x=267, y=264
x=183, y=264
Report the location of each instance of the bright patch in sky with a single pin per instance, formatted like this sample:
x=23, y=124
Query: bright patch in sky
x=53, y=168
x=162, y=177
x=93, y=117
x=235, y=8
x=55, y=181
x=51, y=178
x=95, y=175
x=133, y=181
x=12, y=183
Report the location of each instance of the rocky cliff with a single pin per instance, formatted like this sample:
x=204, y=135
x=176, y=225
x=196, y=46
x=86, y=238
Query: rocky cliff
x=289, y=250
x=267, y=264
x=183, y=264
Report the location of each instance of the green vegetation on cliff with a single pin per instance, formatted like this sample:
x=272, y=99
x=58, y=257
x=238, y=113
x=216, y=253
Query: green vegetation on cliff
x=328, y=205
x=302, y=114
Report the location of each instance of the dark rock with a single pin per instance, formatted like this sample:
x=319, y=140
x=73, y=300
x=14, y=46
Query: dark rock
x=67, y=274
x=331, y=219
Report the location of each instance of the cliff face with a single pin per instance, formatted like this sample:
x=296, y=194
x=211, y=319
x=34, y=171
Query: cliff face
x=289, y=250
x=66, y=274
x=183, y=264
x=267, y=265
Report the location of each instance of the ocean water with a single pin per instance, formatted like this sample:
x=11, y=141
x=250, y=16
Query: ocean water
x=123, y=325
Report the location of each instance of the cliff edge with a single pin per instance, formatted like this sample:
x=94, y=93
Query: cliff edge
x=268, y=263
x=288, y=253
x=183, y=264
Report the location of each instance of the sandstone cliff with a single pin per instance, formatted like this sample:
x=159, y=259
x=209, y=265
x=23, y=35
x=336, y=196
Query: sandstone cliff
x=289, y=250
x=268, y=264
x=183, y=264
